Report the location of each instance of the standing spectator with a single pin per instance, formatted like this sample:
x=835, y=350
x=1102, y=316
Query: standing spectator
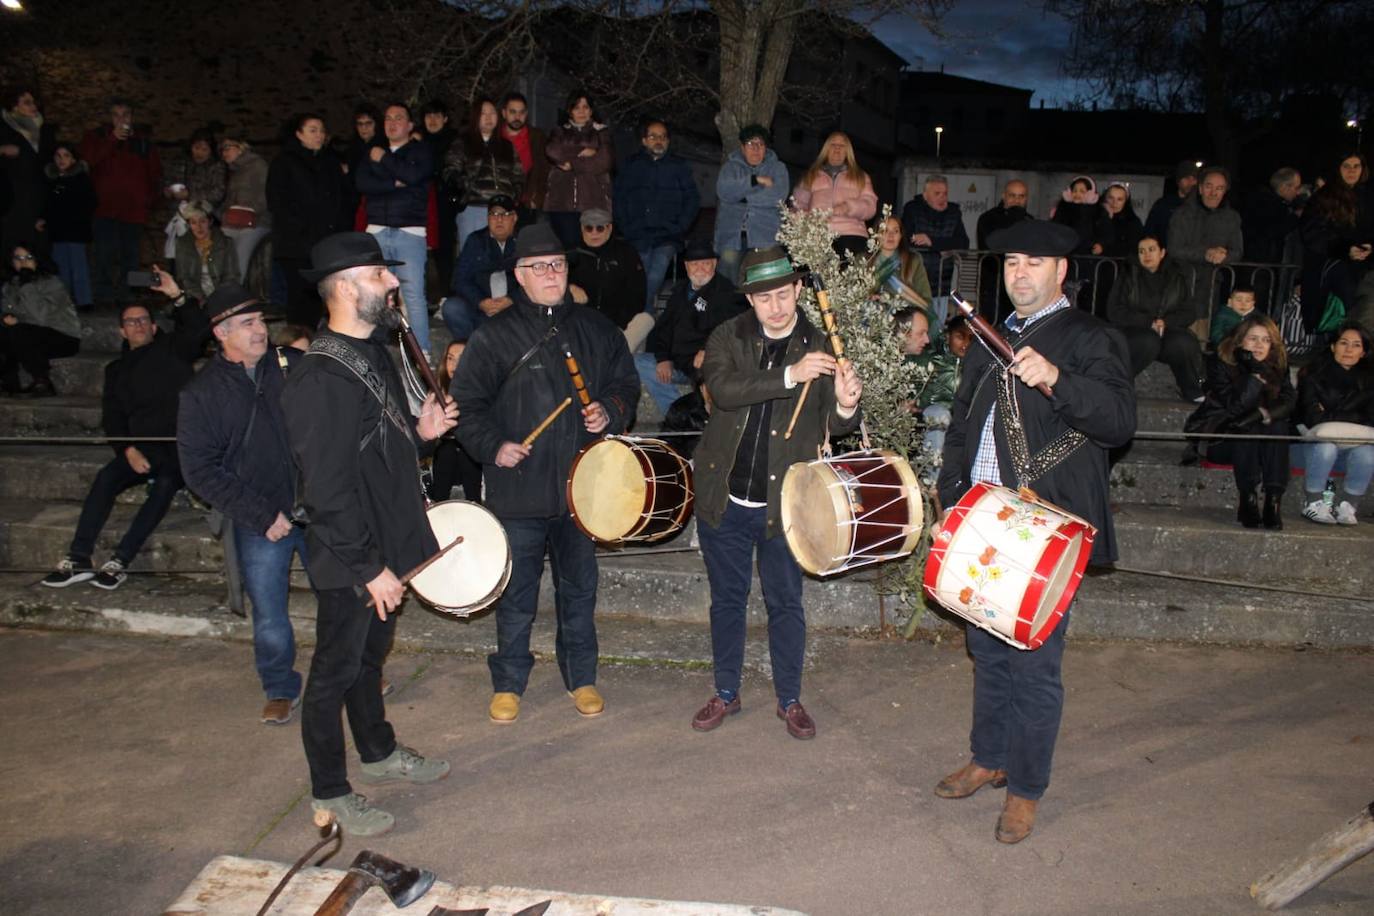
x=605, y=274
x=582, y=155
x=451, y=465
x=26, y=147
x=751, y=184
x=67, y=220
x=1077, y=209
x=1268, y=217
x=481, y=164
x=396, y=180
x=1204, y=233
x=1185, y=181
x=440, y=134
x=127, y=174
x=1118, y=230
x=934, y=225
x=897, y=267
x=246, y=219
x=306, y=194
x=1010, y=211
x=1337, y=230
x=1339, y=389
x=39, y=323
x=836, y=183
x=656, y=201
x=1150, y=305
x=530, y=144
x=200, y=176
x=366, y=117
x=205, y=257
x=483, y=278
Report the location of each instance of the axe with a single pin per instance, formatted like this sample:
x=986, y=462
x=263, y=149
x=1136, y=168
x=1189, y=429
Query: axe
x=403, y=885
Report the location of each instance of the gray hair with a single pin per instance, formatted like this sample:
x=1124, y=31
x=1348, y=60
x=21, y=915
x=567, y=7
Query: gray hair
x=936, y=179
x=197, y=208
x=1284, y=176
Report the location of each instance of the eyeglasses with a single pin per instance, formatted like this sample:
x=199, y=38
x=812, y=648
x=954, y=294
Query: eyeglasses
x=602, y=228
x=500, y=214
x=24, y=257
x=756, y=143
x=136, y=322
x=653, y=135
x=539, y=268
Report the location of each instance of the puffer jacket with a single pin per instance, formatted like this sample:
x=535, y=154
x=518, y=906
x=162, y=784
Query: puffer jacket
x=42, y=301
x=475, y=171
x=588, y=184
x=826, y=192
x=1330, y=392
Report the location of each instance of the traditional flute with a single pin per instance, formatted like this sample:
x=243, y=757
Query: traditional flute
x=836, y=346
x=582, y=394
x=988, y=334
x=529, y=440
x=417, y=354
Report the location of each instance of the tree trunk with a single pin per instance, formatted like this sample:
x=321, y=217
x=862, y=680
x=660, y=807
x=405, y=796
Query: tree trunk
x=756, y=41
x=1216, y=103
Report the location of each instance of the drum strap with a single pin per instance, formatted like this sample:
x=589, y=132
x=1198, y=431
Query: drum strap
x=1030, y=468
x=351, y=359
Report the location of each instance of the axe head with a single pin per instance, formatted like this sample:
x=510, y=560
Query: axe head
x=402, y=884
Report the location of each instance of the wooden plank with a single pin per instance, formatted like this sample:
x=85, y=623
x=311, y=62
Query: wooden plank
x=1318, y=862
x=234, y=886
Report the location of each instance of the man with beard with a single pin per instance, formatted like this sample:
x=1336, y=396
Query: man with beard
x=354, y=441
x=529, y=143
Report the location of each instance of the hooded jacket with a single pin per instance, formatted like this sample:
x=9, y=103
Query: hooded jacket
x=745, y=206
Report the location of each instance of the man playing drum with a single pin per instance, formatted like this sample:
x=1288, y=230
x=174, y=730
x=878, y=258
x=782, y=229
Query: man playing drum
x=514, y=376
x=756, y=367
x=353, y=438
x=1018, y=695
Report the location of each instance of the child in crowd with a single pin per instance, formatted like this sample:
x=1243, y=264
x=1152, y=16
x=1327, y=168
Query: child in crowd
x=1238, y=307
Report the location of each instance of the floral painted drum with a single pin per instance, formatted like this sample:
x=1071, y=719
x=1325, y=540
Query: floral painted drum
x=1009, y=562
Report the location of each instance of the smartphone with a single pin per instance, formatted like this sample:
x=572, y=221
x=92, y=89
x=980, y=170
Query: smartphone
x=142, y=279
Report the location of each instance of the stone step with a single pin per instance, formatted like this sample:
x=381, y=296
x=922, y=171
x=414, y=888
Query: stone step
x=35, y=535
x=1157, y=381
x=64, y=415
x=55, y=473
x=1148, y=481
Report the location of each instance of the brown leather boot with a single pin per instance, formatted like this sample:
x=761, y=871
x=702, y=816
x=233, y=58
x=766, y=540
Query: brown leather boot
x=1018, y=817
x=970, y=779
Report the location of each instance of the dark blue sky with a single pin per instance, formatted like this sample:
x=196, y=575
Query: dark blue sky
x=1001, y=41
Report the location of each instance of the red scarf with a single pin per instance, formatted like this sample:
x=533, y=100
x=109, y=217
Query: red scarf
x=521, y=142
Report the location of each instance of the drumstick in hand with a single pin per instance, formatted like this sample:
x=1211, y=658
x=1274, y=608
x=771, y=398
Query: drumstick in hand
x=419, y=569
x=529, y=440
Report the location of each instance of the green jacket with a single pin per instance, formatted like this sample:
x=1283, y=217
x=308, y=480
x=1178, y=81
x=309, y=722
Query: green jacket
x=735, y=382
x=943, y=382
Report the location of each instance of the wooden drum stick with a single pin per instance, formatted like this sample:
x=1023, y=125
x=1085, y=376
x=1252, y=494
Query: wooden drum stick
x=837, y=345
x=529, y=440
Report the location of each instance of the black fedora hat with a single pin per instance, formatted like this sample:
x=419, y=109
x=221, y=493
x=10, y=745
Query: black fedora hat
x=1038, y=238
x=230, y=299
x=343, y=250
x=762, y=269
x=699, y=249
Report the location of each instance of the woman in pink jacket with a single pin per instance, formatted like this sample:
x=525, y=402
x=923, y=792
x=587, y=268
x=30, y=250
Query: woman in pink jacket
x=836, y=183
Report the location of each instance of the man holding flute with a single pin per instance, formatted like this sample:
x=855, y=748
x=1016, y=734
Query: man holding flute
x=522, y=368
x=760, y=367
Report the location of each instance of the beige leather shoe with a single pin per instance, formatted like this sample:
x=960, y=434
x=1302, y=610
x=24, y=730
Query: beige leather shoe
x=1018, y=817
x=964, y=782
x=504, y=708
x=588, y=702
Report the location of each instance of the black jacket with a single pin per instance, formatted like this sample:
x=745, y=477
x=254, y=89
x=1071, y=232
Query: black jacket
x=246, y=474
x=612, y=277
x=999, y=217
x=1081, y=218
x=142, y=386
x=1118, y=235
x=1094, y=395
x=1139, y=297
x=496, y=406
x=1266, y=222
x=1234, y=396
x=360, y=473
x=689, y=318
x=307, y=195
x=1332, y=392
x=389, y=204
x=69, y=205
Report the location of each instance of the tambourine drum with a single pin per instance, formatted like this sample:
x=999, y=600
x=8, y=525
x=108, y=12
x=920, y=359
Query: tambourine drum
x=473, y=574
x=851, y=510
x=624, y=489
x=1009, y=563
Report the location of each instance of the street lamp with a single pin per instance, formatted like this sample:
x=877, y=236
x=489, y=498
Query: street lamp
x=12, y=5
x=938, y=132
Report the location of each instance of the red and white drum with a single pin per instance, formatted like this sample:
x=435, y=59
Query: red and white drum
x=1009, y=563
x=473, y=574
x=851, y=510
x=624, y=489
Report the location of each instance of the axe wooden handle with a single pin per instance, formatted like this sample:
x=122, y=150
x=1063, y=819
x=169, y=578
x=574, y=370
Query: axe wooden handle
x=345, y=895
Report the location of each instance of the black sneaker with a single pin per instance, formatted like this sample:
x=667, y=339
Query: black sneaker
x=111, y=575
x=69, y=572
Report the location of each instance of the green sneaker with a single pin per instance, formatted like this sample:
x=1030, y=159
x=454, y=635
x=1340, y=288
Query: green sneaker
x=355, y=816
x=404, y=765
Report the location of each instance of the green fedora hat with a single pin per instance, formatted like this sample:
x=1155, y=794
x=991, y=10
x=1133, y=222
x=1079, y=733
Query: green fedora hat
x=763, y=269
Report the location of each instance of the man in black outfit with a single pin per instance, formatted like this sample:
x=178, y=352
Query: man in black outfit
x=607, y=275
x=354, y=440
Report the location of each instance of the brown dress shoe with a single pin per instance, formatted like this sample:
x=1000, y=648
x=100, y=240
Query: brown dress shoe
x=1018, y=817
x=799, y=724
x=713, y=713
x=970, y=779
x=279, y=711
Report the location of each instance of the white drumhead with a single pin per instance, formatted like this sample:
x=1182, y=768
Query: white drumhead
x=473, y=574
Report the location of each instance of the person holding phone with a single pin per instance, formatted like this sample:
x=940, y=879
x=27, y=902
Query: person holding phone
x=127, y=174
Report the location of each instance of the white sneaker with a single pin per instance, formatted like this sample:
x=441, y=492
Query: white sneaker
x=1318, y=511
x=1345, y=514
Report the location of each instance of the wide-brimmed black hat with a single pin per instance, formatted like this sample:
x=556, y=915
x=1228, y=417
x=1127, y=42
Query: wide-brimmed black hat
x=230, y=299
x=763, y=269
x=536, y=240
x=343, y=250
x=699, y=250
x=1038, y=238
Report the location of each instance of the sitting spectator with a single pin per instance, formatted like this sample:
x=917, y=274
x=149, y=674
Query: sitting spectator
x=205, y=257
x=1248, y=392
x=39, y=324
x=933, y=225
x=582, y=154
x=245, y=217
x=897, y=267
x=1078, y=210
x=1010, y=211
x=836, y=183
x=1185, y=182
x=1337, y=230
x=127, y=174
x=935, y=399
x=452, y=465
x=1204, y=233
x=605, y=273
x=1117, y=229
x=1149, y=303
x=482, y=280
x=200, y=177
x=1238, y=307
x=67, y=220
x=481, y=164
x=677, y=345
x=26, y=147
x=1338, y=389
x=656, y=201
x=750, y=185
x=140, y=398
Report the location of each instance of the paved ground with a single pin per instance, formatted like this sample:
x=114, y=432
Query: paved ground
x=1183, y=774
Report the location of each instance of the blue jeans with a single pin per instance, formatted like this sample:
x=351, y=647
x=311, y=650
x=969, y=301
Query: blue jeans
x=656, y=260
x=1319, y=459
x=410, y=250
x=461, y=317
x=116, y=253
x=729, y=554
x=74, y=270
x=663, y=393
x=1018, y=699
x=472, y=218
x=572, y=558
x=266, y=569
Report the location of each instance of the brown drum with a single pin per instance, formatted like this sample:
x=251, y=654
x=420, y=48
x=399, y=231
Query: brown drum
x=851, y=510
x=629, y=490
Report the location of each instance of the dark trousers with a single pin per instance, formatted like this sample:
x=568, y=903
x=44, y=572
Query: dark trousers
x=351, y=644
x=1177, y=349
x=1018, y=699
x=113, y=479
x=115, y=247
x=1256, y=463
x=32, y=346
x=572, y=559
x=303, y=305
x=729, y=554
x=452, y=466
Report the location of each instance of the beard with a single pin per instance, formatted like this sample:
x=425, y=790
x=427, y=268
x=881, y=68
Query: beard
x=375, y=309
